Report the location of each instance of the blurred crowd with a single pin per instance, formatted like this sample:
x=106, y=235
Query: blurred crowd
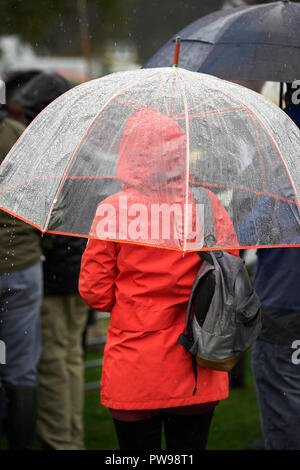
x=42, y=315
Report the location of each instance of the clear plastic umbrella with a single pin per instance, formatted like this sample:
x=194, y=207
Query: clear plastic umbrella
x=164, y=157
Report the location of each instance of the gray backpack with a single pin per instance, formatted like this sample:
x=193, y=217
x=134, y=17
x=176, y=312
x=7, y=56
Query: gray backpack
x=223, y=316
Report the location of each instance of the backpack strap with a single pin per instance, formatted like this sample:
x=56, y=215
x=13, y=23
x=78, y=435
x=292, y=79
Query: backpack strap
x=186, y=338
x=201, y=196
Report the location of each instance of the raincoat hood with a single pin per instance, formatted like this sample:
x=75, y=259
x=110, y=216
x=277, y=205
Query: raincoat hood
x=152, y=151
x=39, y=92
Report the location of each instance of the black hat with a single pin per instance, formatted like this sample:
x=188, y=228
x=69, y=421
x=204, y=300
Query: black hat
x=39, y=92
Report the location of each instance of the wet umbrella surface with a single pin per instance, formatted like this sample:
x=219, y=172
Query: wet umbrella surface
x=145, y=156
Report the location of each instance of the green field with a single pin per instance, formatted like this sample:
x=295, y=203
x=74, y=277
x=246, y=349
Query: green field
x=235, y=424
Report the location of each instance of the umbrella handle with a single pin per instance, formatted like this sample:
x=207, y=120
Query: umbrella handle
x=176, y=51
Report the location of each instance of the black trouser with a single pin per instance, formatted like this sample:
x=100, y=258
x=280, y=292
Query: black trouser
x=189, y=432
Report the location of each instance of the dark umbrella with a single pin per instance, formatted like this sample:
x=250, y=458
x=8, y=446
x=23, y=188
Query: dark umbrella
x=259, y=42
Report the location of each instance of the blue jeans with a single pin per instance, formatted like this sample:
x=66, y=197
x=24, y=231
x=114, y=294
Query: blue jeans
x=20, y=302
x=277, y=381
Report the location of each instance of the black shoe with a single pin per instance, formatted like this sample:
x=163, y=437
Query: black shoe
x=2, y=412
x=45, y=445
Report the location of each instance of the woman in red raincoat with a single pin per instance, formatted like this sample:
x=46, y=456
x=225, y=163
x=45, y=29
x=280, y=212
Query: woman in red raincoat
x=147, y=377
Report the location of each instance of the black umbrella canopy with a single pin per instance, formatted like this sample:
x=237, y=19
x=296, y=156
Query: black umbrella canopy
x=259, y=42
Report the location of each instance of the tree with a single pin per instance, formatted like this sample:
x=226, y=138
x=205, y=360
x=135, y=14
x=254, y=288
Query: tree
x=54, y=26
x=63, y=27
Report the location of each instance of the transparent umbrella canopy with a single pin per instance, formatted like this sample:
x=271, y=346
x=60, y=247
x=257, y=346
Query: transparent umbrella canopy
x=149, y=156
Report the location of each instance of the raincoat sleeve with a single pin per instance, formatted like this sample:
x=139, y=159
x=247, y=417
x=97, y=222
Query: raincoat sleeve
x=97, y=275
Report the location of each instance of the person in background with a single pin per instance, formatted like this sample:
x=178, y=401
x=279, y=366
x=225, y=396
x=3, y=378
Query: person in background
x=274, y=355
x=237, y=374
x=63, y=314
x=14, y=81
x=20, y=301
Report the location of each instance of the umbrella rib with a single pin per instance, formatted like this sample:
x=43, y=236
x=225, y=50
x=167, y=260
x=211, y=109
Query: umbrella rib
x=253, y=191
x=125, y=103
x=157, y=98
x=166, y=104
x=222, y=43
x=82, y=138
x=187, y=159
x=214, y=113
x=195, y=107
x=259, y=150
x=134, y=99
x=172, y=98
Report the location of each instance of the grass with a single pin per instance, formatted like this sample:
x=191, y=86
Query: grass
x=236, y=420
x=99, y=429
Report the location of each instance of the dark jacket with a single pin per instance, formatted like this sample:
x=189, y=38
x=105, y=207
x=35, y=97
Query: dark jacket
x=276, y=281
x=62, y=263
x=62, y=253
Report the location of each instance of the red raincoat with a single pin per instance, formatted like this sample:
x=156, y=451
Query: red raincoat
x=146, y=289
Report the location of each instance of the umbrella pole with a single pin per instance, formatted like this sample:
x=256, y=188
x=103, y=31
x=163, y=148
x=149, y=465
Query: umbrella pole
x=281, y=95
x=176, y=51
